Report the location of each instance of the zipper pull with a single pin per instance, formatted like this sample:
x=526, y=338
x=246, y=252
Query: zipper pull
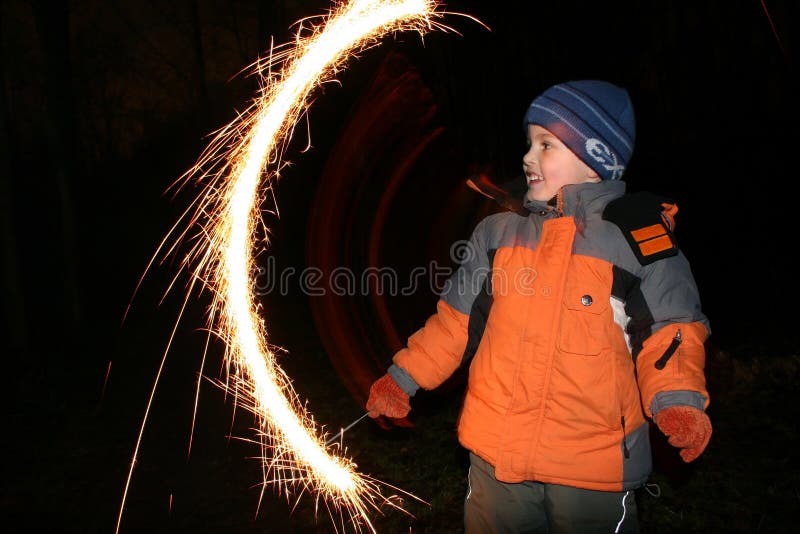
x=662, y=361
x=625, y=450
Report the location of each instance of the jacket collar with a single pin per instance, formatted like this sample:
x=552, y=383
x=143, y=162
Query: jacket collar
x=588, y=197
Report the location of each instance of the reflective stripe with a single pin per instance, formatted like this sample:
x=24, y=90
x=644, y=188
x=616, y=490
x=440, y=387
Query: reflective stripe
x=624, y=511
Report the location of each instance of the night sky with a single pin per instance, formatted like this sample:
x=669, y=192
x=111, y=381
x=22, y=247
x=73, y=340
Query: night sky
x=106, y=104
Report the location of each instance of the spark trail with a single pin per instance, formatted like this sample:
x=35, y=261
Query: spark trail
x=237, y=171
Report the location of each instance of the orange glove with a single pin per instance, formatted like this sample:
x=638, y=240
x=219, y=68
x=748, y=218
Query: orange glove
x=687, y=428
x=386, y=398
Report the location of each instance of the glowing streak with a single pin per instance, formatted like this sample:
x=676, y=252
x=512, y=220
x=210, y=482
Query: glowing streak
x=352, y=27
x=224, y=254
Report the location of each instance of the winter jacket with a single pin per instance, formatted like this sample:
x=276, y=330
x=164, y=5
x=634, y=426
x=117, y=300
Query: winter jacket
x=571, y=341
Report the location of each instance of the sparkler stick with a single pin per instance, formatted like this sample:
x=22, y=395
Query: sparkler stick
x=340, y=434
x=223, y=256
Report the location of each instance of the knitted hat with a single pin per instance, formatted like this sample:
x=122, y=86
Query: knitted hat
x=593, y=118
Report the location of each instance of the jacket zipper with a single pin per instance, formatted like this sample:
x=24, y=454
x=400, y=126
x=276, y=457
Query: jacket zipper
x=662, y=361
x=625, y=439
x=615, y=378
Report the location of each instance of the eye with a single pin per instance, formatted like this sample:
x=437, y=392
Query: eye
x=546, y=145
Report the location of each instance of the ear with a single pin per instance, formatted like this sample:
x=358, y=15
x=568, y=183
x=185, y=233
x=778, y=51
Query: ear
x=593, y=176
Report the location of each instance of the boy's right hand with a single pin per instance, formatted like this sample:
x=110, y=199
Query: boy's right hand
x=387, y=399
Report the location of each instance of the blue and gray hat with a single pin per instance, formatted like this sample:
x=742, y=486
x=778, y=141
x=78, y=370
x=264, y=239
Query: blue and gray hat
x=593, y=118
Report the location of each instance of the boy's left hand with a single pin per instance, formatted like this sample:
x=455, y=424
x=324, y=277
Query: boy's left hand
x=687, y=428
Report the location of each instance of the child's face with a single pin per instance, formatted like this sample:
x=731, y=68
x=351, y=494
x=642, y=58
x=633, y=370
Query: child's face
x=549, y=165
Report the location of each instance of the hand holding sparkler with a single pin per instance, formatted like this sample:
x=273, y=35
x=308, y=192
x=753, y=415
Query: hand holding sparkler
x=388, y=404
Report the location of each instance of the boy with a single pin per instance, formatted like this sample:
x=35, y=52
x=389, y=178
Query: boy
x=579, y=321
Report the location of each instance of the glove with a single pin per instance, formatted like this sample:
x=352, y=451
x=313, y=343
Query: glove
x=687, y=428
x=387, y=399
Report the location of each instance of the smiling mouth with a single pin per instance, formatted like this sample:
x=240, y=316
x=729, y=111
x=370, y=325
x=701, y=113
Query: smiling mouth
x=534, y=178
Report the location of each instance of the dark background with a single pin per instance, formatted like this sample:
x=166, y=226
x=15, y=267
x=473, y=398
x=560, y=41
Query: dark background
x=105, y=104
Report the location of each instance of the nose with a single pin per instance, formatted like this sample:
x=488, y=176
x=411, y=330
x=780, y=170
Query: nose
x=529, y=158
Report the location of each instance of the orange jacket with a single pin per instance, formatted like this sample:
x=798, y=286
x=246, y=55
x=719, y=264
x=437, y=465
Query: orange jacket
x=569, y=332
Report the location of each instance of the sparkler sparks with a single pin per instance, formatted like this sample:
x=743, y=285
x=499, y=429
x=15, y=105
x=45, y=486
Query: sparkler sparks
x=238, y=169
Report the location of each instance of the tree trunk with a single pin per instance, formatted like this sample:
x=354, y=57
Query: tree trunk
x=52, y=24
x=12, y=295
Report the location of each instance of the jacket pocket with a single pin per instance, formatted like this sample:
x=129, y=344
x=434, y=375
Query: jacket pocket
x=584, y=317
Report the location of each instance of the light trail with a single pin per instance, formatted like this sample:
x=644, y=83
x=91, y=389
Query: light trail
x=238, y=169
x=290, y=429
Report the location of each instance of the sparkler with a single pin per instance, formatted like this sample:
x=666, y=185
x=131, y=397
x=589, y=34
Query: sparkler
x=223, y=255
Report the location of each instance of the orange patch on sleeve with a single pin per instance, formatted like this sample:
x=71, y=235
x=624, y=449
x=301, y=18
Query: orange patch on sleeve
x=656, y=245
x=648, y=232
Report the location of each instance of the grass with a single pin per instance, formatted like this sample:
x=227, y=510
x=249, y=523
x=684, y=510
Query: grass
x=67, y=455
x=746, y=481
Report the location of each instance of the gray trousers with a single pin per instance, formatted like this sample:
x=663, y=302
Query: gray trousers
x=492, y=506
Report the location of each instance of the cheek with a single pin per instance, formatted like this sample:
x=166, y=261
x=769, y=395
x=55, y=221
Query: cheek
x=550, y=168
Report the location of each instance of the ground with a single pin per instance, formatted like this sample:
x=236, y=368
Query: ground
x=69, y=444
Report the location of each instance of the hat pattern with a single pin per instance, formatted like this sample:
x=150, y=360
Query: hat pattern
x=605, y=157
